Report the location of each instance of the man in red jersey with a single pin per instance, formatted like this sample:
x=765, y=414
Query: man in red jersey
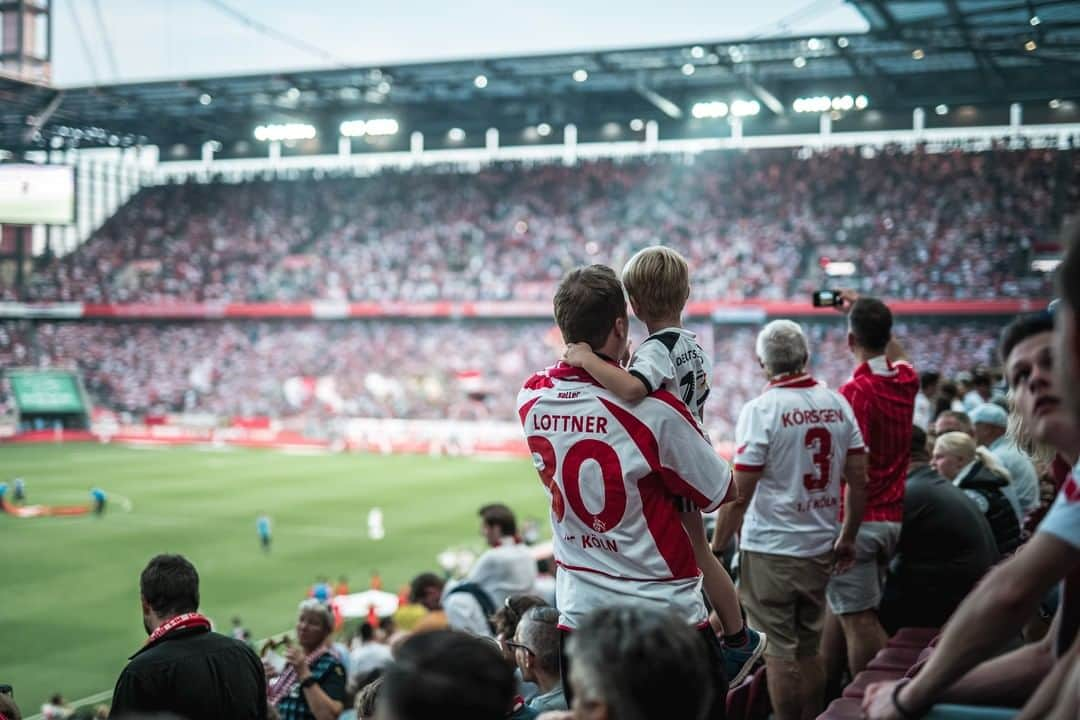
x=882, y=393
x=614, y=472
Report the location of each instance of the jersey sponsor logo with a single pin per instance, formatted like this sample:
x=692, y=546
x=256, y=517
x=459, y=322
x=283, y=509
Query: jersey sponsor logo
x=570, y=423
x=569, y=395
x=811, y=417
x=820, y=503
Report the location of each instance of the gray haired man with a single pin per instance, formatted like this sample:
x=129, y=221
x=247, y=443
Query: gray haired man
x=794, y=443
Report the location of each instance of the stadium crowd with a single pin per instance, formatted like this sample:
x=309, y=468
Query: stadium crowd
x=753, y=224
x=396, y=369
x=934, y=491
x=905, y=562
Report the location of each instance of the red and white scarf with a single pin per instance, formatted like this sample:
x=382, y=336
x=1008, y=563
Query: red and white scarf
x=519, y=702
x=284, y=683
x=187, y=620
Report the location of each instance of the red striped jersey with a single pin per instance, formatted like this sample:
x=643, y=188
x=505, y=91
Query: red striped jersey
x=882, y=394
x=798, y=435
x=612, y=472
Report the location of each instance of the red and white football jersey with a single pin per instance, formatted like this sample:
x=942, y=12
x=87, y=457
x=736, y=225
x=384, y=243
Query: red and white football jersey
x=612, y=472
x=798, y=434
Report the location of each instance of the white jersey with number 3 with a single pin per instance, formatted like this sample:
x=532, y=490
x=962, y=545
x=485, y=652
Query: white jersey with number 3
x=798, y=434
x=612, y=472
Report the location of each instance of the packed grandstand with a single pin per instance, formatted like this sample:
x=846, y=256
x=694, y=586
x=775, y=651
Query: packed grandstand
x=753, y=224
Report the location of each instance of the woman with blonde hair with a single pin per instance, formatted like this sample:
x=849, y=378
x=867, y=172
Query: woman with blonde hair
x=978, y=473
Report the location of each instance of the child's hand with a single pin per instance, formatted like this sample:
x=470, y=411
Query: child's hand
x=576, y=354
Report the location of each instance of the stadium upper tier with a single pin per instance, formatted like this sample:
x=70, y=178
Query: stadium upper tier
x=754, y=224
x=421, y=369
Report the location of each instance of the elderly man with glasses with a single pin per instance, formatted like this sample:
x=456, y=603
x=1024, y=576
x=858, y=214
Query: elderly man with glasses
x=536, y=652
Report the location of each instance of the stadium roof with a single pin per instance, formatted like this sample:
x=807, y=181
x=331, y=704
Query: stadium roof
x=916, y=53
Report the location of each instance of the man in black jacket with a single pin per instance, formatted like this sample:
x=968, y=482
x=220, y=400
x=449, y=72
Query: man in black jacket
x=184, y=668
x=946, y=546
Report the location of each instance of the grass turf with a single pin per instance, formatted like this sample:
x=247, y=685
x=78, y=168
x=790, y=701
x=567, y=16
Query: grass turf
x=70, y=609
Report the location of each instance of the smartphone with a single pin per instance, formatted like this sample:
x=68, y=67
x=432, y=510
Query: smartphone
x=827, y=298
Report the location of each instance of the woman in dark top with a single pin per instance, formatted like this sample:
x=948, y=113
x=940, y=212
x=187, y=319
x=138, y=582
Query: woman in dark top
x=979, y=474
x=312, y=685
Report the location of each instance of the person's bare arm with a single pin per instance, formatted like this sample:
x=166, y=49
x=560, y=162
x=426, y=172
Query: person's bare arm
x=991, y=614
x=1007, y=680
x=1055, y=684
x=894, y=351
x=731, y=513
x=854, y=507
x=627, y=387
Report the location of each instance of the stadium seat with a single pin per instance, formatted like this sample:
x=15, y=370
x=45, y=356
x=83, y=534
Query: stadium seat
x=895, y=659
x=843, y=709
x=914, y=637
x=737, y=700
x=749, y=700
x=863, y=680
x=758, y=706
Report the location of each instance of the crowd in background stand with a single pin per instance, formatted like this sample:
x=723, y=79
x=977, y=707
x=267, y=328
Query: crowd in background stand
x=397, y=369
x=752, y=224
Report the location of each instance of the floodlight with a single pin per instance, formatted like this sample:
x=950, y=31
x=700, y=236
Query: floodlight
x=713, y=109
x=288, y=131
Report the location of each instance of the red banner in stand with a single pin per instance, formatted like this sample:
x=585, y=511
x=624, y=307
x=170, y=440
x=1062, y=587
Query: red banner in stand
x=746, y=311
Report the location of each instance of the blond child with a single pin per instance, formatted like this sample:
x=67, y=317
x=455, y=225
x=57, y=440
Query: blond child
x=658, y=284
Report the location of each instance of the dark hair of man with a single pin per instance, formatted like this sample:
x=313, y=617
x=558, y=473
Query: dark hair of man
x=1068, y=272
x=918, y=445
x=9, y=708
x=642, y=663
x=170, y=585
x=587, y=303
x=928, y=379
x=871, y=323
x=961, y=418
x=444, y=673
x=507, y=617
x=501, y=517
x=422, y=582
x=367, y=633
x=1021, y=329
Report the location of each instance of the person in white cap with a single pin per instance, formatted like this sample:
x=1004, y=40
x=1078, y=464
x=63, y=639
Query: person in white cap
x=990, y=424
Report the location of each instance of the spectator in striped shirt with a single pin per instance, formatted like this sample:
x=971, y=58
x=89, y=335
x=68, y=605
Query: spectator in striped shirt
x=882, y=393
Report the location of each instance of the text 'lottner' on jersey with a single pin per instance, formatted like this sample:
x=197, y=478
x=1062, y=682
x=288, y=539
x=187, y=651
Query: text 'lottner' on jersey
x=798, y=434
x=613, y=472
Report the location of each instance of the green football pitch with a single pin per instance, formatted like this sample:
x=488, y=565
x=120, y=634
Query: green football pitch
x=69, y=612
